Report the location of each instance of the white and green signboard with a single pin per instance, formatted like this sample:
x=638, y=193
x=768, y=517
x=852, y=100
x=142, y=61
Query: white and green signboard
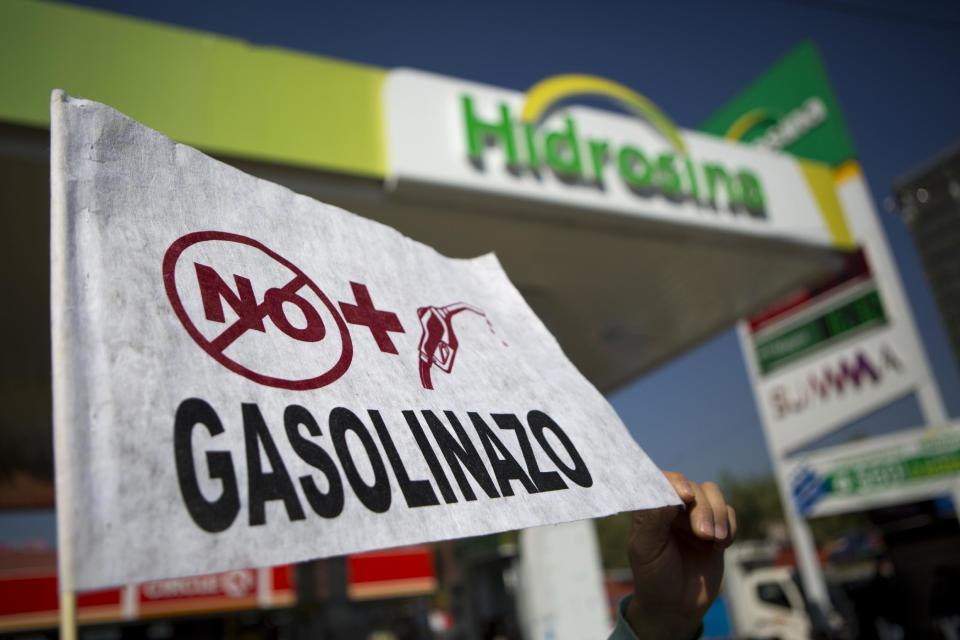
x=834, y=351
x=593, y=162
x=881, y=471
x=543, y=148
x=792, y=107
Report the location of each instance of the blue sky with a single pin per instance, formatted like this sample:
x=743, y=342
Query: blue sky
x=894, y=67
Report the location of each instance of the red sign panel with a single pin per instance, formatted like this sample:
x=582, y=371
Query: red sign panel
x=407, y=571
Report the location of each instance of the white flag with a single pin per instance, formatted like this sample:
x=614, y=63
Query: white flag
x=245, y=376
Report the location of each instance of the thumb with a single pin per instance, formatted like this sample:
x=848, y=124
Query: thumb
x=650, y=533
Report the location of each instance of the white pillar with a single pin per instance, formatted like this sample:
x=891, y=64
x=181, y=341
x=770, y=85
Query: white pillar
x=561, y=594
x=804, y=546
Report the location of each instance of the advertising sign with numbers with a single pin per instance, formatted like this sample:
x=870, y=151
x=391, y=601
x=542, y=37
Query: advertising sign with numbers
x=917, y=464
x=828, y=355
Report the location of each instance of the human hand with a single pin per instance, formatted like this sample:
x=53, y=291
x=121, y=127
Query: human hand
x=676, y=555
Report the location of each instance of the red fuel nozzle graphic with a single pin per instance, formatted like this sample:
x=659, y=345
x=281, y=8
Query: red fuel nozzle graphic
x=438, y=344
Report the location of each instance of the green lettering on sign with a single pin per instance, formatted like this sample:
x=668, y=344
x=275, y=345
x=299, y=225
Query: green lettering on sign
x=529, y=148
x=802, y=339
x=884, y=475
x=791, y=107
x=480, y=132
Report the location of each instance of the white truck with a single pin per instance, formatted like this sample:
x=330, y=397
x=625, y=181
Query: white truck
x=763, y=601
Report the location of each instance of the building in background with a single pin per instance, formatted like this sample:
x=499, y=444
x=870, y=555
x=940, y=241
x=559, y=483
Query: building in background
x=929, y=201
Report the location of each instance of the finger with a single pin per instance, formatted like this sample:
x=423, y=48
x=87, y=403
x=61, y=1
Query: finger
x=701, y=514
x=650, y=532
x=681, y=485
x=732, y=520
x=718, y=505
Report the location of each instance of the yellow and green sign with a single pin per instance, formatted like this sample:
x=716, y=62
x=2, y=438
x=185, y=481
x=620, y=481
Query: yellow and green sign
x=220, y=94
x=791, y=108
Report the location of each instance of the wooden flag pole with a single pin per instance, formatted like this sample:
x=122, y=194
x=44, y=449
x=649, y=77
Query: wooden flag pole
x=63, y=421
x=68, y=615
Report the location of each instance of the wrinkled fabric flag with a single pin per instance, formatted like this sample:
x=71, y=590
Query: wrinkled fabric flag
x=244, y=376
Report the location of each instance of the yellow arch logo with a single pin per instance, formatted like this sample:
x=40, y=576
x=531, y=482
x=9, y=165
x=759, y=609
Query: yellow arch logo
x=548, y=92
x=745, y=123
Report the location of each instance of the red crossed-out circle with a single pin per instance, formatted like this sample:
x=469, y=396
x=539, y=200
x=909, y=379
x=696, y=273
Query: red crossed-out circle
x=215, y=348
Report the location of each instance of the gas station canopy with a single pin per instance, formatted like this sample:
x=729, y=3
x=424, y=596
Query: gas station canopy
x=632, y=239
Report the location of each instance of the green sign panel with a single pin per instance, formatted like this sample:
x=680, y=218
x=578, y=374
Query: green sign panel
x=810, y=335
x=791, y=107
x=939, y=458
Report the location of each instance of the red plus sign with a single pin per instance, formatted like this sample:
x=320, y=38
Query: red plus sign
x=366, y=315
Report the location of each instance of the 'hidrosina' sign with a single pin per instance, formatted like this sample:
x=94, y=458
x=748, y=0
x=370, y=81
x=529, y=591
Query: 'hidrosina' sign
x=542, y=147
x=244, y=376
x=591, y=161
